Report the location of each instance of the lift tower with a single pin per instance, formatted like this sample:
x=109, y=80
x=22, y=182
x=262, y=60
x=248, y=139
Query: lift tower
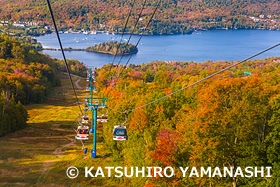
x=93, y=104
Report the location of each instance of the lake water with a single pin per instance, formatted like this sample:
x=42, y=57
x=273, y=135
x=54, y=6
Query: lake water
x=230, y=45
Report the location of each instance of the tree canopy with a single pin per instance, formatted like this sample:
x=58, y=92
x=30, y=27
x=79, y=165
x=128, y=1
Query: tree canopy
x=113, y=48
x=227, y=121
x=172, y=17
x=26, y=76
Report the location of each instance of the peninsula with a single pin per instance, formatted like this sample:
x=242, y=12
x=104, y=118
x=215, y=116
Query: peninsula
x=106, y=48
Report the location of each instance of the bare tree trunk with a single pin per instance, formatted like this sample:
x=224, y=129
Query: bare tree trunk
x=6, y=100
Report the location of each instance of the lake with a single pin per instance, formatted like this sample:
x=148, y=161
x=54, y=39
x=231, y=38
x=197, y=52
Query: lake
x=230, y=45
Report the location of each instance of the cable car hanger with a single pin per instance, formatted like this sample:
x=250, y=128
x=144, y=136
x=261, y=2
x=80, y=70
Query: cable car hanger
x=125, y=115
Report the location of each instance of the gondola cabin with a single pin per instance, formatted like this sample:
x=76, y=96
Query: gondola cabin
x=104, y=118
x=85, y=119
x=82, y=133
x=99, y=118
x=119, y=133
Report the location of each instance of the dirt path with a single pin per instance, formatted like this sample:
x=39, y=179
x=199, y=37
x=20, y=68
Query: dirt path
x=77, y=81
x=58, y=151
x=48, y=163
x=77, y=84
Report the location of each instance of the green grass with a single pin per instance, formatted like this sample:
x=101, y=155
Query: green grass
x=27, y=157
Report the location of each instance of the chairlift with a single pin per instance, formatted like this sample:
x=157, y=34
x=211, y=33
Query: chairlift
x=88, y=88
x=82, y=133
x=99, y=118
x=100, y=105
x=104, y=118
x=119, y=133
x=85, y=119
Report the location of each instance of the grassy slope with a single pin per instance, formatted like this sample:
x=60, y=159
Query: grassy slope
x=32, y=157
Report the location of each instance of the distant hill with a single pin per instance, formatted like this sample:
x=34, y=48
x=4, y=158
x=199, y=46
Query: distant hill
x=173, y=16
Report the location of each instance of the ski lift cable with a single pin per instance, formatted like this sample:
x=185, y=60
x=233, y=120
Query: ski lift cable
x=127, y=111
x=82, y=144
x=136, y=23
x=115, y=110
x=151, y=18
x=124, y=113
x=122, y=36
x=202, y=80
x=62, y=51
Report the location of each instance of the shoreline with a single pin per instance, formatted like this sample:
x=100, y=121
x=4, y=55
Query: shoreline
x=147, y=34
x=101, y=52
x=167, y=48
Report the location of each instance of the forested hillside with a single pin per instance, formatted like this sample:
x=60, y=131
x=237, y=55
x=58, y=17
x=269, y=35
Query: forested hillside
x=75, y=67
x=227, y=121
x=173, y=16
x=26, y=76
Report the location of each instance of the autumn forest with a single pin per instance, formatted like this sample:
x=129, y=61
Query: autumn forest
x=230, y=120
x=173, y=16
